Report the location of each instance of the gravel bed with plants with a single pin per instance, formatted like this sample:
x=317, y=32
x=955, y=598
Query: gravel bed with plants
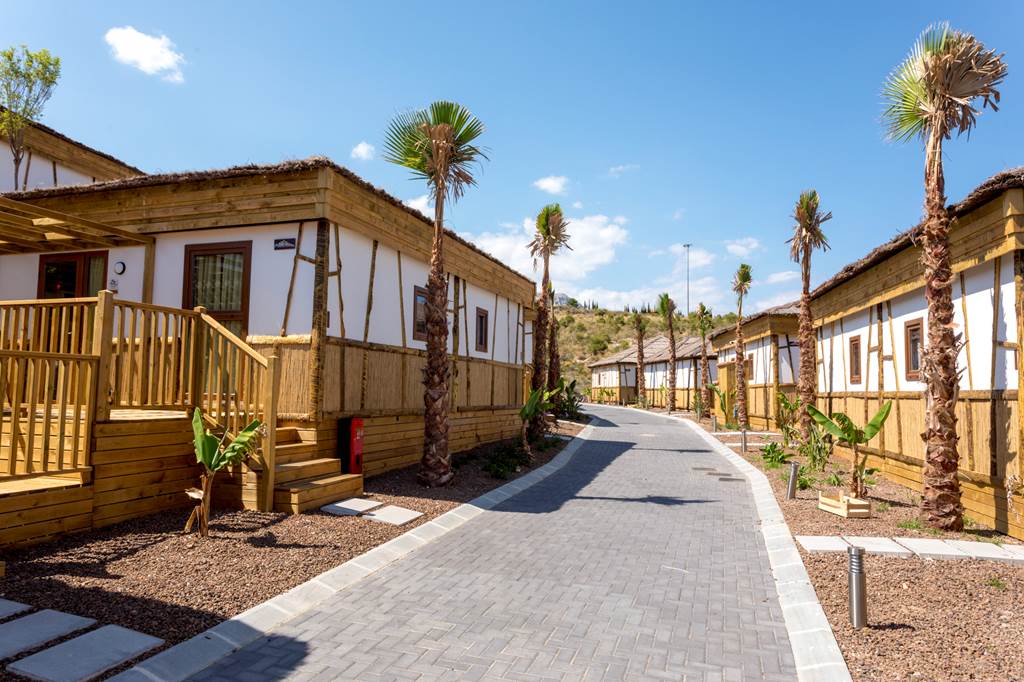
x=147, y=575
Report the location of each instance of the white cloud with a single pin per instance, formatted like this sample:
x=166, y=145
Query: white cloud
x=741, y=248
x=699, y=258
x=578, y=205
x=153, y=55
x=593, y=240
x=678, y=214
x=778, y=299
x=363, y=151
x=781, y=277
x=420, y=203
x=704, y=289
x=616, y=171
x=552, y=184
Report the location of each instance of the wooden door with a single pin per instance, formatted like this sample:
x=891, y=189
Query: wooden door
x=71, y=275
x=217, y=277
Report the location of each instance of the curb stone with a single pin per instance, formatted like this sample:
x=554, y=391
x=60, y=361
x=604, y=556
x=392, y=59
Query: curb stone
x=207, y=648
x=815, y=649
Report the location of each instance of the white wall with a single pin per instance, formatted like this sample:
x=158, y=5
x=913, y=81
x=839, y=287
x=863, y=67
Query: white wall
x=977, y=293
x=40, y=172
x=19, y=274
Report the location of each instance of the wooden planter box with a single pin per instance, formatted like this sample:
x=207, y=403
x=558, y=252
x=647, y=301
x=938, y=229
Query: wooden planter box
x=845, y=506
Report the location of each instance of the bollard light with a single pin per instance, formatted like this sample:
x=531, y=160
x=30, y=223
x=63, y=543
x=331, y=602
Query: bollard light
x=714, y=422
x=858, y=589
x=743, y=441
x=794, y=473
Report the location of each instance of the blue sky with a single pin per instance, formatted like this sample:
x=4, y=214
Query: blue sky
x=654, y=124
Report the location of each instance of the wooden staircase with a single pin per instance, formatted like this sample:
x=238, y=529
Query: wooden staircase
x=304, y=478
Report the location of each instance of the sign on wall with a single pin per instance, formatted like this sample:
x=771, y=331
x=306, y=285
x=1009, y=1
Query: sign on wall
x=284, y=244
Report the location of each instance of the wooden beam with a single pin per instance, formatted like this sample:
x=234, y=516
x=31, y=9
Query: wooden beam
x=1018, y=298
x=318, y=334
x=148, y=271
x=83, y=223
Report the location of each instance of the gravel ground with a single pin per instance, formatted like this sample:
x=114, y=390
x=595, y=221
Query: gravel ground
x=146, y=575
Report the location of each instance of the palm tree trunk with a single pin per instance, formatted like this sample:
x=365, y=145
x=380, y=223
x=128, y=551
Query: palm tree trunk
x=554, y=361
x=671, y=402
x=540, y=351
x=436, y=466
x=808, y=370
x=641, y=380
x=705, y=379
x=741, y=372
x=941, y=506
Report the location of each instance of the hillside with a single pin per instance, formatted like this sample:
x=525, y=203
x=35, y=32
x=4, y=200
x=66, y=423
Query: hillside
x=587, y=335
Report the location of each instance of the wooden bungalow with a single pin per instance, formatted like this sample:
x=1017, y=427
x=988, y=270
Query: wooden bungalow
x=871, y=321
x=613, y=378
x=688, y=378
x=292, y=293
x=772, y=349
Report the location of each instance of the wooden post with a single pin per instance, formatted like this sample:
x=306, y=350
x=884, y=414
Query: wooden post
x=148, y=272
x=774, y=402
x=198, y=355
x=993, y=434
x=318, y=334
x=1018, y=279
x=102, y=341
x=271, y=389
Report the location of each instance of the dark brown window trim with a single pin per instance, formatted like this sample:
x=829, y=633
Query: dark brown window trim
x=82, y=276
x=855, y=360
x=242, y=247
x=913, y=375
x=416, y=293
x=482, y=314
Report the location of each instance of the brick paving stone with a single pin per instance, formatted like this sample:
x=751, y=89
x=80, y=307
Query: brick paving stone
x=625, y=564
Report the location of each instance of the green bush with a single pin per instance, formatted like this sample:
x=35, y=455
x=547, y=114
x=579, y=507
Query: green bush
x=505, y=460
x=774, y=456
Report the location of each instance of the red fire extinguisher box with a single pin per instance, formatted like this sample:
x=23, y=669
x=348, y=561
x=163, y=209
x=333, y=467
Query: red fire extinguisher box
x=350, y=444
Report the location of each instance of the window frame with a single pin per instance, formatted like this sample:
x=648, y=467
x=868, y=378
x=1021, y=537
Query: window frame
x=212, y=249
x=911, y=374
x=416, y=292
x=857, y=378
x=485, y=315
x=81, y=260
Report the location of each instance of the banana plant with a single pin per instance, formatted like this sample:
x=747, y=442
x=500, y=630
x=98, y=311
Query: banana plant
x=789, y=410
x=214, y=455
x=844, y=430
x=539, y=402
x=723, y=397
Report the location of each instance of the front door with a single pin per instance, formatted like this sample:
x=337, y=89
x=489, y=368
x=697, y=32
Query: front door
x=71, y=275
x=217, y=278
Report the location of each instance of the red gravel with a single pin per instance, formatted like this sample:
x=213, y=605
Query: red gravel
x=146, y=575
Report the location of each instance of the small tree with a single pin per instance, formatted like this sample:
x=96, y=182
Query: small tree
x=667, y=310
x=741, y=282
x=214, y=455
x=27, y=80
x=843, y=429
x=640, y=327
x=704, y=321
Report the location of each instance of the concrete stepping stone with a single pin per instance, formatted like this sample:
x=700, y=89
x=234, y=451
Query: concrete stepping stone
x=351, y=507
x=35, y=629
x=818, y=544
x=931, y=548
x=985, y=550
x=9, y=608
x=393, y=514
x=881, y=546
x=87, y=656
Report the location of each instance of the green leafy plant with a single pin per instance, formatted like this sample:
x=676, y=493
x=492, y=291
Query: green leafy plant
x=786, y=419
x=882, y=506
x=698, y=403
x=997, y=583
x=27, y=80
x=723, y=397
x=910, y=524
x=817, y=449
x=843, y=428
x=774, y=456
x=537, y=404
x=567, y=401
x=216, y=454
x=834, y=480
x=804, y=480
x=505, y=460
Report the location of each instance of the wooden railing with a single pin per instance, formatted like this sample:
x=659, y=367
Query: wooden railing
x=67, y=363
x=47, y=406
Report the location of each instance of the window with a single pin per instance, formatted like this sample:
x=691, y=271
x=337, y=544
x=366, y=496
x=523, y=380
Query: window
x=913, y=336
x=217, y=278
x=74, y=275
x=481, y=330
x=855, y=360
x=419, y=314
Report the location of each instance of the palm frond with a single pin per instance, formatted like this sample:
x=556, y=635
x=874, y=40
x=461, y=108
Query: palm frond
x=666, y=306
x=807, y=232
x=742, y=280
x=551, y=234
x=704, y=319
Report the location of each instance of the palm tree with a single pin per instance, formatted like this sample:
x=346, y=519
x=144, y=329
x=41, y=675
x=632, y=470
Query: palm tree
x=640, y=326
x=807, y=236
x=704, y=320
x=554, y=359
x=741, y=286
x=551, y=235
x=932, y=94
x=438, y=145
x=667, y=309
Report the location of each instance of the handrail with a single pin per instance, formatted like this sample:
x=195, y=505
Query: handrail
x=233, y=339
x=47, y=301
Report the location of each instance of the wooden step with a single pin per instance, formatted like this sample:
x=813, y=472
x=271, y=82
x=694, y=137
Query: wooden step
x=288, y=434
x=294, y=452
x=300, y=471
x=300, y=496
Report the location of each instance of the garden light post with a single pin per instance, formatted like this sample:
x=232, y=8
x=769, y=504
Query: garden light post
x=794, y=472
x=714, y=422
x=743, y=441
x=858, y=588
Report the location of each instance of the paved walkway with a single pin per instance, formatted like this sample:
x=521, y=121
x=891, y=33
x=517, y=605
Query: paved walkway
x=640, y=559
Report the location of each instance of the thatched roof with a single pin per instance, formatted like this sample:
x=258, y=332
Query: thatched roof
x=247, y=170
x=1012, y=178
x=785, y=310
x=50, y=131
x=656, y=349
x=686, y=347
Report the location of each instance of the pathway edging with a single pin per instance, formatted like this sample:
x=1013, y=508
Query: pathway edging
x=815, y=649
x=207, y=648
